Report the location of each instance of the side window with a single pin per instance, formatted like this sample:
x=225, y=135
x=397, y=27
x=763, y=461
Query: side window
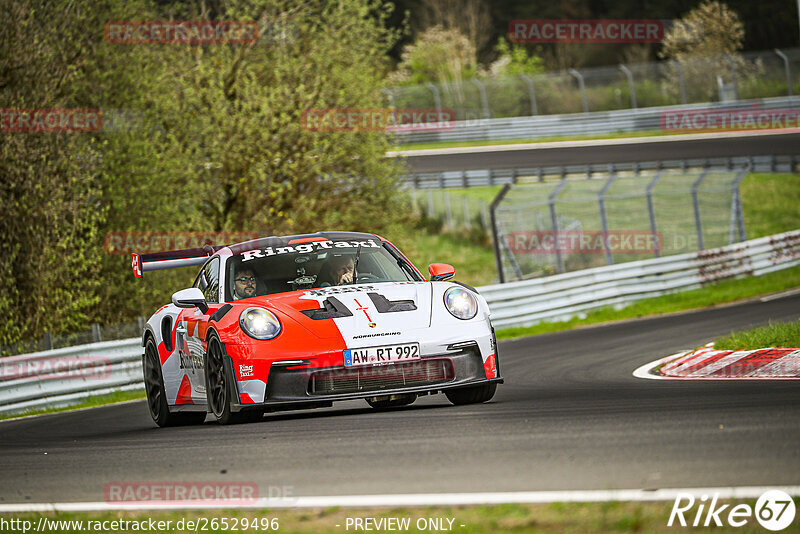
x=208, y=280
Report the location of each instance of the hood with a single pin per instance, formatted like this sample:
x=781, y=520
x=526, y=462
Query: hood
x=369, y=312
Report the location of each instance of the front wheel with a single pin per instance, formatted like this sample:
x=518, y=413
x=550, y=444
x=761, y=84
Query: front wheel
x=471, y=394
x=156, y=395
x=220, y=387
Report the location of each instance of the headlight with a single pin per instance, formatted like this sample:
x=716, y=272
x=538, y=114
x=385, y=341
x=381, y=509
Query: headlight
x=460, y=303
x=259, y=323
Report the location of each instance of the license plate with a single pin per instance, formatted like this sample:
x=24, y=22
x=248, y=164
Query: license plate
x=383, y=354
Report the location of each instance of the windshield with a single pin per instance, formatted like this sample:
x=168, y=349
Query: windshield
x=323, y=263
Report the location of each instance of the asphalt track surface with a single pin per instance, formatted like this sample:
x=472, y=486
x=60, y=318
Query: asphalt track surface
x=603, y=153
x=570, y=416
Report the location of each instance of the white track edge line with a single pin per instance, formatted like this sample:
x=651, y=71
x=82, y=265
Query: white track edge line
x=583, y=143
x=422, y=499
x=645, y=371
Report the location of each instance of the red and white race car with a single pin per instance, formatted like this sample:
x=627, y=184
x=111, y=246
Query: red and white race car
x=301, y=321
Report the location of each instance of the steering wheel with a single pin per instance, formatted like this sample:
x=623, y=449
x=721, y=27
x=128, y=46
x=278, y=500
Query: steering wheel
x=366, y=277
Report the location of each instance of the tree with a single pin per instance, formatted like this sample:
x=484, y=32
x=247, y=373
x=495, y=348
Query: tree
x=697, y=44
x=212, y=141
x=438, y=55
x=710, y=29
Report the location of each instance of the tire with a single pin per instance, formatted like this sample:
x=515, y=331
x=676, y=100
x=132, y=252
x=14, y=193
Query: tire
x=157, y=396
x=220, y=388
x=391, y=401
x=472, y=394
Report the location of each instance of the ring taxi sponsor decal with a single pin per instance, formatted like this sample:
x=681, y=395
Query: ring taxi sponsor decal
x=306, y=248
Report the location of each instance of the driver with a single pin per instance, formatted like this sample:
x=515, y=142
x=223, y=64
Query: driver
x=244, y=285
x=338, y=270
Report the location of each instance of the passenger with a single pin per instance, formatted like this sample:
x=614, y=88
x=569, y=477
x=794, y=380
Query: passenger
x=244, y=285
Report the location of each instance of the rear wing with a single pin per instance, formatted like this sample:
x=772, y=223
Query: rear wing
x=141, y=263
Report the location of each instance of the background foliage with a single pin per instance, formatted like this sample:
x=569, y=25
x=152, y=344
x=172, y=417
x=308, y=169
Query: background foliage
x=196, y=138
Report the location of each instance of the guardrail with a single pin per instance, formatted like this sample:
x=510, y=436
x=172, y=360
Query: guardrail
x=489, y=177
x=594, y=123
x=63, y=377
x=66, y=376
x=563, y=296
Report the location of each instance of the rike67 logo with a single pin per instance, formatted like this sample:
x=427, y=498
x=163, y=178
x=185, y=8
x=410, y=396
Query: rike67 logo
x=774, y=510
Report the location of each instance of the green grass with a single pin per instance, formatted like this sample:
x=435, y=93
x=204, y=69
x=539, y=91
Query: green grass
x=719, y=293
x=92, y=401
x=770, y=203
x=504, y=518
x=455, y=144
x=474, y=264
x=774, y=335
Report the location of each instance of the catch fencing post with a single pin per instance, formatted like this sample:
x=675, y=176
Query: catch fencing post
x=448, y=211
x=531, y=93
x=551, y=201
x=737, y=206
x=788, y=70
x=631, y=87
x=696, y=205
x=681, y=80
x=96, y=336
x=495, y=231
x=733, y=76
x=467, y=221
x=582, y=88
x=651, y=212
x=430, y=204
x=436, y=97
x=484, y=99
x=601, y=201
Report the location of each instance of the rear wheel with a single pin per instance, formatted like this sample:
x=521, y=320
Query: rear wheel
x=156, y=395
x=391, y=401
x=472, y=394
x=220, y=387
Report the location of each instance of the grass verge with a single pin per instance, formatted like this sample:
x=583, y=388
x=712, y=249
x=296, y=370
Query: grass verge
x=774, y=335
x=503, y=518
x=719, y=293
x=92, y=401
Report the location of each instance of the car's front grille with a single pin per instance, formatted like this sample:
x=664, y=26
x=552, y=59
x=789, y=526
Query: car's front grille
x=380, y=377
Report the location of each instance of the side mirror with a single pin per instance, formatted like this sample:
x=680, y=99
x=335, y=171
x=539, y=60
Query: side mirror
x=441, y=272
x=190, y=298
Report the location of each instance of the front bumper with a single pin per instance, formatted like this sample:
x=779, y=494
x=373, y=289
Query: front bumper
x=290, y=388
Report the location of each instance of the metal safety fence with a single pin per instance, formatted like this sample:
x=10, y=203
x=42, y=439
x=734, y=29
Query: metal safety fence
x=493, y=177
x=722, y=78
x=563, y=296
x=66, y=376
x=542, y=228
x=608, y=122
